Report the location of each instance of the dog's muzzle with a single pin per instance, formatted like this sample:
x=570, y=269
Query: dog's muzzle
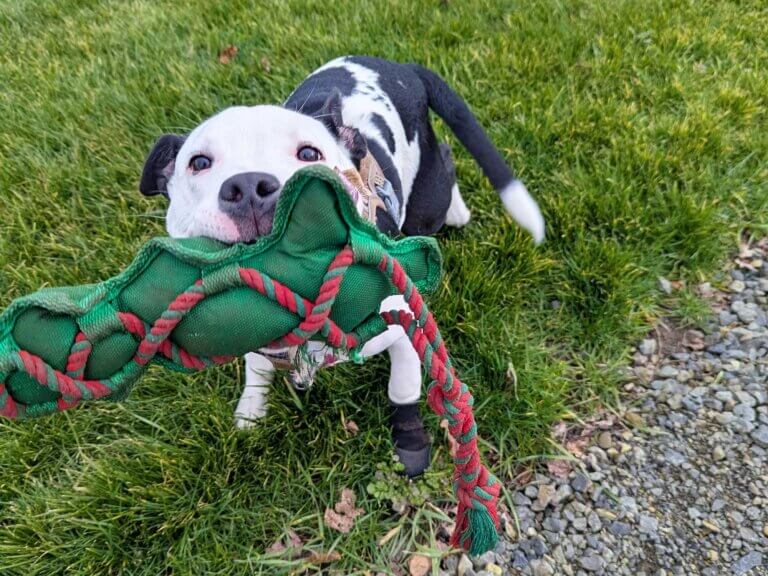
x=249, y=199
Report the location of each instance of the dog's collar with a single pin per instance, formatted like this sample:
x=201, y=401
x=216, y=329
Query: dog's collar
x=365, y=186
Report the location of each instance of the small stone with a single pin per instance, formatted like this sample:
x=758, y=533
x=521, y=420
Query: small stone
x=563, y=494
x=711, y=526
x=665, y=285
x=619, y=528
x=606, y=514
x=465, y=566
x=531, y=491
x=725, y=318
x=667, y=371
x=521, y=499
x=553, y=524
x=580, y=524
x=748, y=535
x=694, y=513
x=593, y=520
x=674, y=457
x=648, y=524
x=712, y=555
x=718, y=453
x=634, y=419
x=746, y=398
x=765, y=530
x=479, y=562
x=746, y=312
x=519, y=560
x=737, y=286
x=724, y=395
x=494, y=569
x=747, y=563
x=605, y=440
x=579, y=482
x=591, y=563
x=541, y=568
x=745, y=412
x=648, y=347
x=628, y=503
x=675, y=402
x=450, y=563
x=544, y=497
x=760, y=436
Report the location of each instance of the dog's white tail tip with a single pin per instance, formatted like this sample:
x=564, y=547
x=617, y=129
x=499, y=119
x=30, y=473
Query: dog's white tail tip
x=523, y=208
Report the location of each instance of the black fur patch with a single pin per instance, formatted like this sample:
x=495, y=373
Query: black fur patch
x=159, y=165
x=312, y=94
x=385, y=130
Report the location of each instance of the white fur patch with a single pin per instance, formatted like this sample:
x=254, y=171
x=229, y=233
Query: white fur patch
x=523, y=208
x=369, y=99
x=458, y=214
x=259, y=373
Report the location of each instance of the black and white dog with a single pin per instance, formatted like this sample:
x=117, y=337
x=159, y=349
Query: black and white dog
x=224, y=178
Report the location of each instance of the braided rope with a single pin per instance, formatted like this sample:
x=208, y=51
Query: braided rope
x=477, y=490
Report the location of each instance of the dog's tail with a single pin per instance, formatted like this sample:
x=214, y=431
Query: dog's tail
x=455, y=112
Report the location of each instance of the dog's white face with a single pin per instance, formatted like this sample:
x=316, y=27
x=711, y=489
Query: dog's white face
x=229, y=172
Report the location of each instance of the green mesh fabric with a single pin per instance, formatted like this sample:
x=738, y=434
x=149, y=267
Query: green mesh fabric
x=314, y=220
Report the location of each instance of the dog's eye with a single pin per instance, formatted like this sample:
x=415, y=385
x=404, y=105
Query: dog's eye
x=309, y=154
x=200, y=162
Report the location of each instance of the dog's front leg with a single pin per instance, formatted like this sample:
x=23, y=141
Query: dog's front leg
x=412, y=443
x=259, y=373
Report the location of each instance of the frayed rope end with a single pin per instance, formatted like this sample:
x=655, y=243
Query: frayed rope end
x=479, y=534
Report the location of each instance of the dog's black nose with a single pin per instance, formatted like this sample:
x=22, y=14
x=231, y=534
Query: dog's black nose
x=245, y=187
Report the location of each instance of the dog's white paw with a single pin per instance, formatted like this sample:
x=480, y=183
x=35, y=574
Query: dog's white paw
x=243, y=422
x=249, y=411
x=458, y=214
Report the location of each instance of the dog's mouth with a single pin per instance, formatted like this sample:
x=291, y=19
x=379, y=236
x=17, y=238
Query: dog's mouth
x=253, y=226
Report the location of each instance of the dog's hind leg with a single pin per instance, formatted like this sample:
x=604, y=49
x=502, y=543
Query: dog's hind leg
x=259, y=373
x=458, y=214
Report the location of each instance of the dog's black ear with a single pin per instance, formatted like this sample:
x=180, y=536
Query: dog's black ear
x=330, y=115
x=159, y=165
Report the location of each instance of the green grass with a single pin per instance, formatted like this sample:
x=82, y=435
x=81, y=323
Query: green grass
x=639, y=126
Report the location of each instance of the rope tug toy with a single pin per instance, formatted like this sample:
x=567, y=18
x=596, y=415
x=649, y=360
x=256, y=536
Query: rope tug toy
x=192, y=303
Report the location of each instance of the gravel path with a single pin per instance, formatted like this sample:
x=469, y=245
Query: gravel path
x=680, y=484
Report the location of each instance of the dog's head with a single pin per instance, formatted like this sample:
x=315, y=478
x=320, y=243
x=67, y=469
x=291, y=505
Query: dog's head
x=224, y=178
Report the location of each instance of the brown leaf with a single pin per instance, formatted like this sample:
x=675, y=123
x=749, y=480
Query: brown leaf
x=294, y=540
x=419, y=565
x=351, y=427
x=342, y=517
x=524, y=477
x=226, y=54
x=294, y=543
x=694, y=340
x=323, y=557
x=265, y=64
x=559, y=430
x=559, y=468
